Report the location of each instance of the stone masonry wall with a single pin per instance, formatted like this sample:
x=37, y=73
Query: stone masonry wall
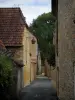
x=17, y=53
x=66, y=29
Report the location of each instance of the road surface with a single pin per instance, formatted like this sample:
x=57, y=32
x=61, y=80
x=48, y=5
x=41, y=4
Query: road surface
x=40, y=89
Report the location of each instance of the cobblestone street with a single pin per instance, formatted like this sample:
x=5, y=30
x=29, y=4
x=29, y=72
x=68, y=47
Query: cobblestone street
x=40, y=89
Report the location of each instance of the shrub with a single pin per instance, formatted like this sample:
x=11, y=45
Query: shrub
x=6, y=78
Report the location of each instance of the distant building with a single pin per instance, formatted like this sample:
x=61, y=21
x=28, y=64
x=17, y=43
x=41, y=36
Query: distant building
x=39, y=63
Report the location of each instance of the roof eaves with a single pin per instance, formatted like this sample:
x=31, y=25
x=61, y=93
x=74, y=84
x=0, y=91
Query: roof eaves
x=23, y=18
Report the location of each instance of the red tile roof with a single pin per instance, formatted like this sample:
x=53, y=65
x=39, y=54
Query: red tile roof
x=11, y=26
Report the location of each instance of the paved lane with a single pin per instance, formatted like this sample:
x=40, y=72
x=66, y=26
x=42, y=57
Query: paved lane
x=40, y=89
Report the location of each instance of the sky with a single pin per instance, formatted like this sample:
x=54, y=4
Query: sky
x=31, y=8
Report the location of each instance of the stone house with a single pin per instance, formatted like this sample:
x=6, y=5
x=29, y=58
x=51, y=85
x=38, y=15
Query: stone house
x=30, y=42
x=33, y=57
x=64, y=37
x=16, y=67
x=13, y=33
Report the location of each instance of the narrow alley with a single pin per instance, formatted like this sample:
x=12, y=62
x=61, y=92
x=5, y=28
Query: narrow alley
x=39, y=89
x=37, y=49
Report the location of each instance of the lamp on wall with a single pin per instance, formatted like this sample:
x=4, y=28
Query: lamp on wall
x=30, y=54
x=33, y=40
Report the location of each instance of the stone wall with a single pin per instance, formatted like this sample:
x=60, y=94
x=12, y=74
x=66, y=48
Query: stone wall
x=39, y=69
x=17, y=55
x=53, y=75
x=17, y=52
x=66, y=32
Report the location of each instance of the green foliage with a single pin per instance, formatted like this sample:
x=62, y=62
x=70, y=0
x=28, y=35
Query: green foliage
x=6, y=78
x=43, y=28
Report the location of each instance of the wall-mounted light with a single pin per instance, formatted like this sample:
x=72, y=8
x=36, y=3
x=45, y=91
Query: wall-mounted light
x=74, y=21
x=33, y=40
x=30, y=54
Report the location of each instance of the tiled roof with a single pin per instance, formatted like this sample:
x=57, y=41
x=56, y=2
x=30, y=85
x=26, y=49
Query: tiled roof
x=11, y=26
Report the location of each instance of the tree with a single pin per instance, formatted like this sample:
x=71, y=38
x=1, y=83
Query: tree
x=43, y=28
